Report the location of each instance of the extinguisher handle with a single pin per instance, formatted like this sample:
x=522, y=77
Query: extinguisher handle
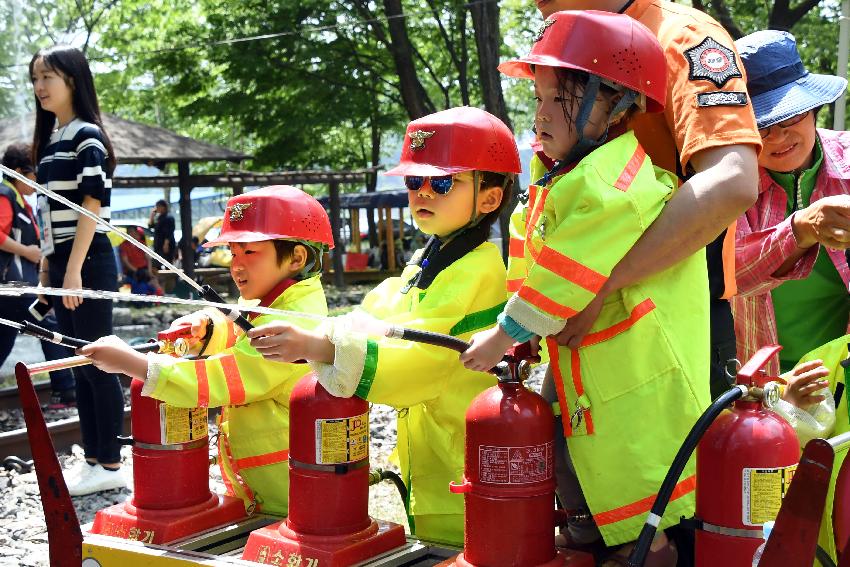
x=750, y=373
x=181, y=331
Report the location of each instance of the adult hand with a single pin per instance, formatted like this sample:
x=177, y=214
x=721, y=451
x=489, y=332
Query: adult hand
x=32, y=253
x=578, y=325
x=826, y=221
x=73, y=280
x=113, y=355
x=283, y=342
x=803, y=381
x=486, y=349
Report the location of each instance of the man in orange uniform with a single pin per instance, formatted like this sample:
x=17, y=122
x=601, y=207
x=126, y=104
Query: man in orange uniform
x=707, y=135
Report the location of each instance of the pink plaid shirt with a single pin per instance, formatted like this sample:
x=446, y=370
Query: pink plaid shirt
x=764, y=239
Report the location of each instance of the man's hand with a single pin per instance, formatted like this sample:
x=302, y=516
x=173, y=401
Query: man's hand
x=486, y=349
x=113, y=355
x=826, y=221
x=283, y=342
x=803, y=382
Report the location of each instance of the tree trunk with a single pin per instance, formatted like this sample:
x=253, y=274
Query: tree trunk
x=488, y=38
x=372, y=182
x=416, y=100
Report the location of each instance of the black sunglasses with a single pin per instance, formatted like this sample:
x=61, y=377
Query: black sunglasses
x=441, y=184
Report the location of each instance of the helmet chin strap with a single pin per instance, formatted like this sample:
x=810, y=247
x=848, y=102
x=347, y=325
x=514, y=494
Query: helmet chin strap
x=475, y=217
x=585, y=144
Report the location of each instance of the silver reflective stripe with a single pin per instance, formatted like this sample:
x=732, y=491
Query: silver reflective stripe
x=736, y=532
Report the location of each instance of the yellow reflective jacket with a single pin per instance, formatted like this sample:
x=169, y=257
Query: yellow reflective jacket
x=428, y=385
x=832, y=353
x=254, y=396
x=631, y=392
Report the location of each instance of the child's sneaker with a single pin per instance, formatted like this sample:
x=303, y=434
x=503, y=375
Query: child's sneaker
x=62, y=399
x=79, y=470
x=97, y=480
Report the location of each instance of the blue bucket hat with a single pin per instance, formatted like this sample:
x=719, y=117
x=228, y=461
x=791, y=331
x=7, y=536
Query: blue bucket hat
x=779, y=85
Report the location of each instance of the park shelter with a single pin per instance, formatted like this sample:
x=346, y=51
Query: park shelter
x=137, y=143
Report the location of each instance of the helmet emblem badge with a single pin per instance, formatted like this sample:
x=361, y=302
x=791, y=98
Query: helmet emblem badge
x=417, y=139
x=543, y=27
x=237, y=211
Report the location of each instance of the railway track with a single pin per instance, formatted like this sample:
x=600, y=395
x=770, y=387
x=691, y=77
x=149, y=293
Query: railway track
x=64, y=432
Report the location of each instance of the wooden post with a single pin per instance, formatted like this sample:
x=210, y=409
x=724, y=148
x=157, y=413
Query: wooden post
x=401, y=226
x=390, y=241
x=238, y=190
x=185, y=216
x=339, y=277
x=355, y=230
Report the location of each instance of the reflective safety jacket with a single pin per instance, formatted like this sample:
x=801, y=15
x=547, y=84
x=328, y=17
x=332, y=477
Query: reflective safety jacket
x=631, y=392
x=253, y=393
x=832, y=353
x=428, y=384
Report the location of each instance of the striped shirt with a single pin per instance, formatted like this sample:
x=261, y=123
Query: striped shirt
x=74, y=166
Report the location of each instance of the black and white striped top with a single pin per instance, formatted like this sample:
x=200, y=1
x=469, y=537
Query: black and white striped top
x=74, y=165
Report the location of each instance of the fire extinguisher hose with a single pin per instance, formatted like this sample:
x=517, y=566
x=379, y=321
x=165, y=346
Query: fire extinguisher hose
x=647, y=533
x=427, y=337
x=377, y=475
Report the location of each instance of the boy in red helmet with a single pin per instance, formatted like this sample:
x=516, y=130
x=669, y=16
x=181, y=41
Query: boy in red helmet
x=278, y=236
x=633, y=388
x=459, y=166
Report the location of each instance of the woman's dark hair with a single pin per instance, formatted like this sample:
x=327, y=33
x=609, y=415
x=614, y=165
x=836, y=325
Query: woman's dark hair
x=18, y=156
x=504, y=180
x=163, y=203
x=71, y=64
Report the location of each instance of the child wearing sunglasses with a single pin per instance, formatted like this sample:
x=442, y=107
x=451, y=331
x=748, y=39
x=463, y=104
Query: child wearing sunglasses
x=459, y=166
x=630, y=391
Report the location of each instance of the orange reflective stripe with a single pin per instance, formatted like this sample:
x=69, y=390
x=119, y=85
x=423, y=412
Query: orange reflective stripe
x=514, y=285
x=516, y=248
x=541, y=301
x=203, y=384
x=643, y=505
x=554, y=364
x=231, y=333
x=730, y=285
x=571, y=270
x=235, y=388
x=575, y=370
x=630, y=171
x=262, y=460
x=234, y=468
x=637, y=313
x=533, y=217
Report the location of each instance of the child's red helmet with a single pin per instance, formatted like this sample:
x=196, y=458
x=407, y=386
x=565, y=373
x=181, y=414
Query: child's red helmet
x=455, y=140
x=279, y=212
x=612, y=46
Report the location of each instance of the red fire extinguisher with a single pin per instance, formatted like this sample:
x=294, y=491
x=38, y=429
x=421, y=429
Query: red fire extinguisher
x=745, y=463
x=171, y=493
x=509, y=482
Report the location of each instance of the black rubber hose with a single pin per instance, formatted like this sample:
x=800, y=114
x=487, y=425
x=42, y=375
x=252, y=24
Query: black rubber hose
x=74, y=343
x=399, y=484
x=647, y=533
x=823, y=557
x=212, y=295
x=436, y=339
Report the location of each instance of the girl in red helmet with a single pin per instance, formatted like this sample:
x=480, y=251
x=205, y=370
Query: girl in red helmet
x=630, y=391
x=459, y=166
x=278, y=236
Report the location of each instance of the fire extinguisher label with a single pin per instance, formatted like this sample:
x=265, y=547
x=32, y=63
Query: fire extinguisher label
x=342, y=440
x=763, y=491
x=515, y=465
x=181, y=425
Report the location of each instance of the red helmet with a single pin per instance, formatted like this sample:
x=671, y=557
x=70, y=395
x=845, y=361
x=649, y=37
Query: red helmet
x=612, y=46
x=455, y=140
x=279, y=212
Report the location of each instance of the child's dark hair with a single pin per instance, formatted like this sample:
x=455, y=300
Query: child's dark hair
x=18, y=156
x=285, y=248
x=72, y=65
x=571, y=84
x=493, y=179
x=162, y=203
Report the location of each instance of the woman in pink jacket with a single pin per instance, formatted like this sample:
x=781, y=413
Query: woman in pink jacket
x=791, y=270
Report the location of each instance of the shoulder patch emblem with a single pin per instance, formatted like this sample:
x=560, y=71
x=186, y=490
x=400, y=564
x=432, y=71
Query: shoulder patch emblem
x=712, y=61
x=722, y=98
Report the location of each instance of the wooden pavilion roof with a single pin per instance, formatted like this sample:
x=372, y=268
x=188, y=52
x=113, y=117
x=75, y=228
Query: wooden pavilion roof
x=134, y=142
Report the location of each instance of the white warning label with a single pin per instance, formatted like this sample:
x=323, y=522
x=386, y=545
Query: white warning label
x=515, y=465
